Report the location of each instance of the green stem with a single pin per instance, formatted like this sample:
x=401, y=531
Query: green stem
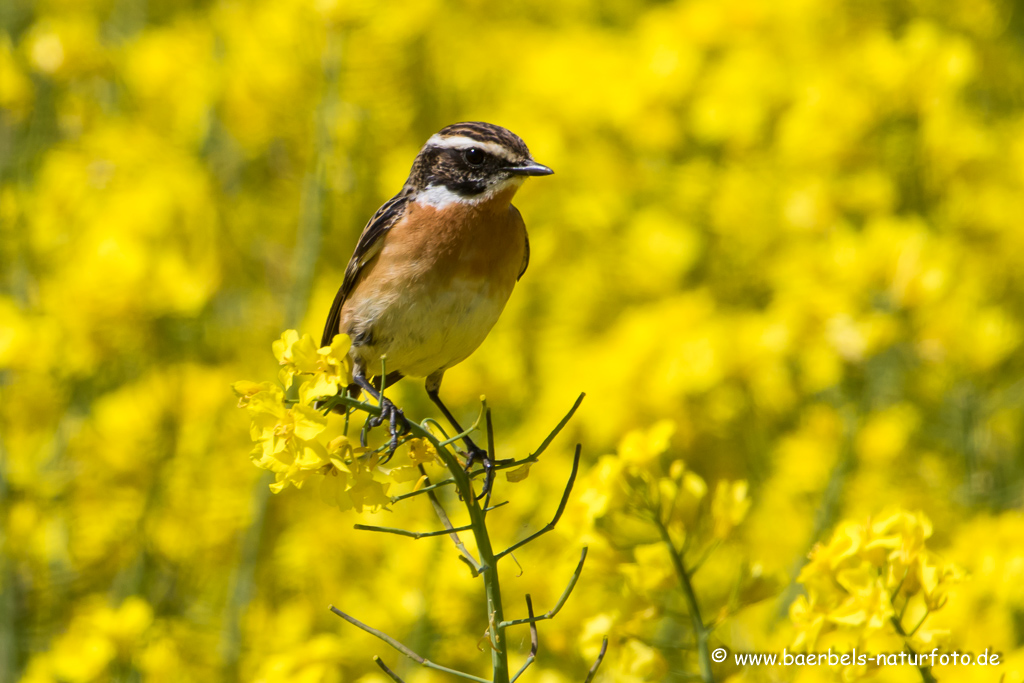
x=423, y=661
x=384, y=667
x=558, y=513
x=466, y=556
x=550, y=614
x=597, y=662
x=534, y=642
x=477, y=524
x=492, y=586
x=925, y=671
x=700, y=631
x=410, y=534
x=488, y=559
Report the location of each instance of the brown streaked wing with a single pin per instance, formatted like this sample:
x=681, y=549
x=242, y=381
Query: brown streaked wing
x=370, y=242
x=526, y=260
x=526, y=250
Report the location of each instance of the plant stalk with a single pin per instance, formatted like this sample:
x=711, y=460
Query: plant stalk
x=700, y=631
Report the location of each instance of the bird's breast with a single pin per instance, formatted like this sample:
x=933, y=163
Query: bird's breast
x=462, y=240
x=438, y=285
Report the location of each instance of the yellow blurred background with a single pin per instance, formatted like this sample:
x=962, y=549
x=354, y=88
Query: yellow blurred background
x=794, y=229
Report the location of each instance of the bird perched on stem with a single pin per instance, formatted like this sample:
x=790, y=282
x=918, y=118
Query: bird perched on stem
x=434, y=267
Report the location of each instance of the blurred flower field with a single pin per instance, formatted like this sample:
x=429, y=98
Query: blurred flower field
x=782, y=253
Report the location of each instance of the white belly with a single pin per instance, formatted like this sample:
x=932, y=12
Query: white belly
x=438, y=332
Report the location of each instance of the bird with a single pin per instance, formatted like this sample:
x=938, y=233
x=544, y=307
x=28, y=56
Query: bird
x=434, y=267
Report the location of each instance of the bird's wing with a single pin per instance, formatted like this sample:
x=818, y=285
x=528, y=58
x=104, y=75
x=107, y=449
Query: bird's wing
x=371, y=241
x=526, y=250
x=526, y=260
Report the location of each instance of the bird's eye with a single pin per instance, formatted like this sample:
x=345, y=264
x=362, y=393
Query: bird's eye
x=474, y=157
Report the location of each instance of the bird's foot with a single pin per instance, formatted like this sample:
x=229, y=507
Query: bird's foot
x=397, y=425
x=475, y=454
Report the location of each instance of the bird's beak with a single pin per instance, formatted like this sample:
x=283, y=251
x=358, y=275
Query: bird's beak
x=529, y=168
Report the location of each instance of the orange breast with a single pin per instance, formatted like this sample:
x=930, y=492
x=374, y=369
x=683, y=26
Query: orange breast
x=430, y=247
x=485, y=241
x=438, y=285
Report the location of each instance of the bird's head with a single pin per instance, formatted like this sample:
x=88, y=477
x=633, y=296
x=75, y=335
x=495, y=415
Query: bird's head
x=471, y=162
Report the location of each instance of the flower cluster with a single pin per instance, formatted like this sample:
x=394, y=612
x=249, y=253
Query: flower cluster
x=871, y=584
x=317, y=372
x=293, y=438
x=100, y=637
x=657, y=526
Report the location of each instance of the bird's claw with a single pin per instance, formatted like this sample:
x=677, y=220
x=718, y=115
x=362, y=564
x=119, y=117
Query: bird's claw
x=397, y=425
x=476, y=454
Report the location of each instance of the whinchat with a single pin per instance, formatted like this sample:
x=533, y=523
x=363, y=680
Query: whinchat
x=434, y=267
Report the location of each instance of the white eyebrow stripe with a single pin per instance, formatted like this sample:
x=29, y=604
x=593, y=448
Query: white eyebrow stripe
x=463, y=142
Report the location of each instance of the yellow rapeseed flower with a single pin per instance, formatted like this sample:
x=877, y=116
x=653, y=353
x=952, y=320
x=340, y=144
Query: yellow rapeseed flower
x=866, y=575
x=729, y=506
x=319, y=371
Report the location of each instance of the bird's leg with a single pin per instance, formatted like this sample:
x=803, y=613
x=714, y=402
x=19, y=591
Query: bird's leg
x=474, y=453
x=388, y=411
